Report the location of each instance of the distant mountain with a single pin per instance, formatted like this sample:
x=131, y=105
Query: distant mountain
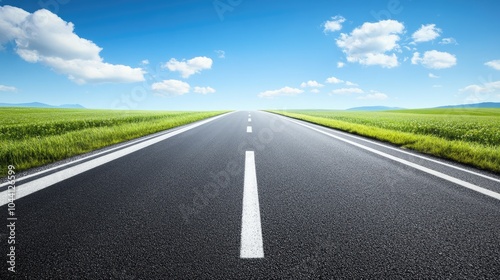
x=374, y=108
x=41, y=105
x=71, y=106
x=477, y=105
x=461, y=106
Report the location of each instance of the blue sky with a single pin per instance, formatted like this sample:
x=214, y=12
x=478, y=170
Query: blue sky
x=242, y=54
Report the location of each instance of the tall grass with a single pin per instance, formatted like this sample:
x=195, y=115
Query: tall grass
x=33, y=137
x=469, y=136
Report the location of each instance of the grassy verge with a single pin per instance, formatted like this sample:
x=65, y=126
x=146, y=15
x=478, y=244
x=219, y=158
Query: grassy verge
x=471, y=137
x=34, y=137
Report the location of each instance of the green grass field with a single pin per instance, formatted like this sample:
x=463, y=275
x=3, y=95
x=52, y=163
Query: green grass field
x=31, y=137
x=470, y=136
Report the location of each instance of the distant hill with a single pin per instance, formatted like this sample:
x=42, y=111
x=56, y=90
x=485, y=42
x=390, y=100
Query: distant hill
x=461, y=106
x=476, y=105
x=374, y=108
x=41, y=105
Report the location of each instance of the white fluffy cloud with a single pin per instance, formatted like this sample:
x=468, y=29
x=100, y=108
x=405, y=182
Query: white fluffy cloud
x=369, y=44
x=432, y=76
x=7, y=88
x=340, y=64
x=491, y=87
x=334, y=80
x=312, y=84
x=204, y=90
x=435, y=59
x=171, y=87
x=286, y=91
x=426, y=33
x=347, y=90
x=479, y=93
x=189, y=67
x=333, y=25
x=43, y=37
x=374, y=95
x=495, y=64
x=11, y=19
x=416, y=58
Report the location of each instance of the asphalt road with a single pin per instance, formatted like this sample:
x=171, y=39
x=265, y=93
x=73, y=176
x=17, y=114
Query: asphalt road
x=328, y=205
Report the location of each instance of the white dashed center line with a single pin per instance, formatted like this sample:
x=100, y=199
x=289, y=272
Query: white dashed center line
x=251, y=230
x=249, y=129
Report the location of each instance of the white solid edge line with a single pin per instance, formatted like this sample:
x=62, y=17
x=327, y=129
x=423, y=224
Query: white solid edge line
x=412, y=154
x=51, y=179
x=249, y=129
x=76, y=161
x=251, y=230
x=457, y=181
x=130, y=143
x=422, y=157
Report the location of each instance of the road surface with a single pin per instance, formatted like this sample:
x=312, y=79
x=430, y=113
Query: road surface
x=252, y=195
